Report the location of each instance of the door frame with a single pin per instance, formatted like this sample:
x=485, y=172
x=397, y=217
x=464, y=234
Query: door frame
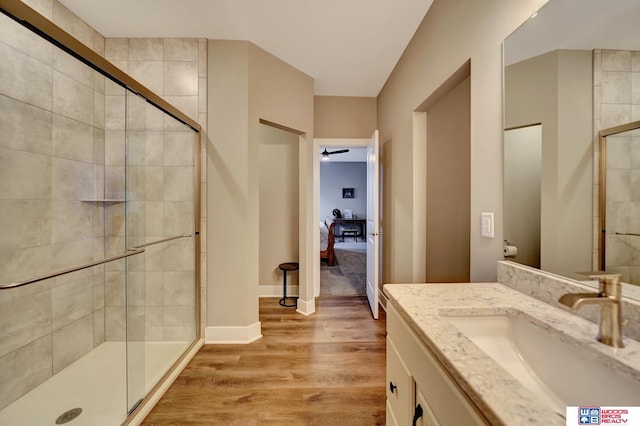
x=317, y=144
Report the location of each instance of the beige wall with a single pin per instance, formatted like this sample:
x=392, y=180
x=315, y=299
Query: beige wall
x=448, y=152
x=344, y=116
x=278, y=206
x=450, y=34
x=557, y=88
x=246, y=85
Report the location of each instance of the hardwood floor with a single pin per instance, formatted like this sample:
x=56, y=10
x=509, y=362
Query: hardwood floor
x=325, y=369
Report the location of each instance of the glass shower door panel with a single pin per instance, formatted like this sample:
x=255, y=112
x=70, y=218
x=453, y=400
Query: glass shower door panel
x=137, y=136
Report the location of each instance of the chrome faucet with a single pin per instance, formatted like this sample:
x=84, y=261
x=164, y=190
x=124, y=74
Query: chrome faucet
x=609, y=300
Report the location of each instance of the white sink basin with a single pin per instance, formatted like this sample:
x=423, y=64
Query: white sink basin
x=560, y=373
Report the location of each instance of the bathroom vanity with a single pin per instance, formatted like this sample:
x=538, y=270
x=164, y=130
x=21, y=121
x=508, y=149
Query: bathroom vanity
x=455, y=356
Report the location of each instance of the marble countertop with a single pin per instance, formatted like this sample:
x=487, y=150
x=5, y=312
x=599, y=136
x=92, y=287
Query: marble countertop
x=501, y=398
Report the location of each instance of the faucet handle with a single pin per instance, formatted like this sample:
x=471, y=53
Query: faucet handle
x=609, y=282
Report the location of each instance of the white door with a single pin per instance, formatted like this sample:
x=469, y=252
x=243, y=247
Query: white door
x=373, y=219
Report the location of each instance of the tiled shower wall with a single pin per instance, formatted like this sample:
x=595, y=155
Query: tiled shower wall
x=51, y=143
x=175, y=69
x=67, y=231
x=616, y=77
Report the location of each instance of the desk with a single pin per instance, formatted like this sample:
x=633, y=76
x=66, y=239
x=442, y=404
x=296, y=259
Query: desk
x=359, y=223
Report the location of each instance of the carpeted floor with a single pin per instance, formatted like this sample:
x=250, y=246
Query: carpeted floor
x=349, y=275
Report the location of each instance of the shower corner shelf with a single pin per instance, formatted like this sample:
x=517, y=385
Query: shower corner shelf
x=103, y=200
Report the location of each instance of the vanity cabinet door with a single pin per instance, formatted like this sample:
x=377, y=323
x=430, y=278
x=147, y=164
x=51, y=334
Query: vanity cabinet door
x=423, y=416
x=399, y=388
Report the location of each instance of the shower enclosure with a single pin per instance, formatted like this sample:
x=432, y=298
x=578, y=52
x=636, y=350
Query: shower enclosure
x=98, y=235
x=619, y=201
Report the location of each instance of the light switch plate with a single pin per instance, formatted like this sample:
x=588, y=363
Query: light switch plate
x=487, y=225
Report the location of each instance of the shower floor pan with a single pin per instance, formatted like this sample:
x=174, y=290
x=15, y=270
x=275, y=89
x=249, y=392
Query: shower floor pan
x=96, y=383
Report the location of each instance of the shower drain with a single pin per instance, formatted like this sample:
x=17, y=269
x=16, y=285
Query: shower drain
x=68, y=415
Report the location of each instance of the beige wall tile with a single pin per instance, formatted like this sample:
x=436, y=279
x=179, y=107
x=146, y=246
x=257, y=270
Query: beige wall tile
x=154, y=258
x=33, y=171
x=187, y=104
x=135, y=327
x=25, y=78
x=154, y=323
x=98, y=290
x=25, y=40
x=635, y=88
x=71, y=301
x=70, y=254
x=98, y=327
x=98, y=146
x=72, y=99
x=98, y=43
x=24, y=126
x=115, y=147
x=114, y=289
x=24, y=320
x=71, y=180
x=179, y=148
x=114, y=182
x=72, y=220
x=116, y=49
x=179, y=288
x=178, y=49
x=25, y=369
x=98, y=188
x=99, y=82
x=154, y=118
x=25, y=223
x=619, y=152
x=154, y=183
x=114, y=112
x=178, y=184
x=202, y=59
x=615, y=115
x=178, y=218
x=71, y=342
x=22, y=264
x=73, y=68
x=72, y=139
x=149, y=73
x=180, y=78
x=154, y=289
x=112, y=88
x=178, y=255
x=616, y=60
x=616, y=87
x=618, y=185
x=146, y=49
x=202, y=95
x=153, y=218
x=114, y=324
x=72, y=24
x=135, y=288
x=98, y=110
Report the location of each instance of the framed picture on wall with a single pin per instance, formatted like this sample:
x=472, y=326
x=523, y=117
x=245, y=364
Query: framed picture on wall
x=348, y=193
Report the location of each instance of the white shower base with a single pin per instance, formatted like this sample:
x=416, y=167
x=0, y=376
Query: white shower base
x=96, y=383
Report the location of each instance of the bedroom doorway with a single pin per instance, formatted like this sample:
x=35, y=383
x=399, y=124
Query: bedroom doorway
x=341, y=196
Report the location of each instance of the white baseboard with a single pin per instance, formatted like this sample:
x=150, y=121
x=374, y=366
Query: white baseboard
x=306, y=307
x=233, y=335
x=276, y=290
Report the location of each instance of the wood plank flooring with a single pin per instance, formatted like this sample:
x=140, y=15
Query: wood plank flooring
x=325, y=369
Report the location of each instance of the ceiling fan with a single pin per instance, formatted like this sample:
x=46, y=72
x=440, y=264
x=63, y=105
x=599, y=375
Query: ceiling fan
x=326, y=154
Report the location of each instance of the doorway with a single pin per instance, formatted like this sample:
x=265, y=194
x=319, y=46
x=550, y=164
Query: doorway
x=343, y=207
x=369, y=229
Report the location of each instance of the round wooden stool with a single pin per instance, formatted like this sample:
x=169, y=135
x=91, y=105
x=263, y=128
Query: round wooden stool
x=288, y=267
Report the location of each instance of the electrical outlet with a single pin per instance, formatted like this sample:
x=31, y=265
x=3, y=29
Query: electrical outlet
x=487, y=225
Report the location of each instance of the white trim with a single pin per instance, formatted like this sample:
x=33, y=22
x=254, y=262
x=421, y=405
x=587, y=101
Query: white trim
x=233, y=335
x=276, y=291
x=306, y=307
x=152, y=400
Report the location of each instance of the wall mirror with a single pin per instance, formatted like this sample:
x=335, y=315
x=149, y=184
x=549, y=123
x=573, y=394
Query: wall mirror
x=571, y=70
